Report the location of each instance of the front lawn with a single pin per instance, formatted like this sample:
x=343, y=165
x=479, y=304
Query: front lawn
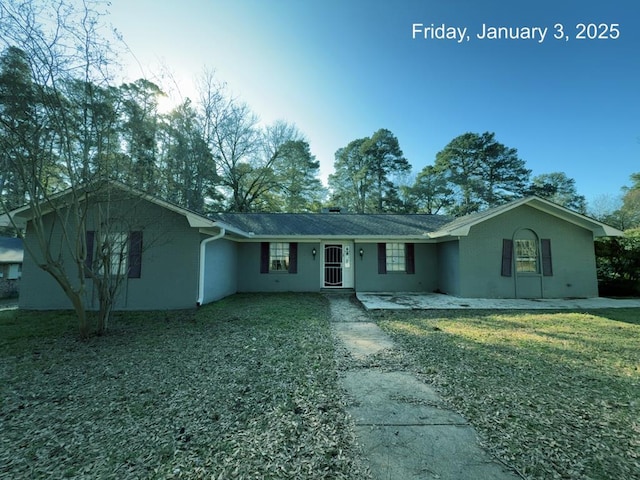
x=244, y=388
x=556, y=395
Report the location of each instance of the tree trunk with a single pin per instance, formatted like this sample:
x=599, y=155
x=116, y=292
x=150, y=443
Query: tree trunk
x=104, y=315
x=75, y=295
x=81, y=313
x=106, y=306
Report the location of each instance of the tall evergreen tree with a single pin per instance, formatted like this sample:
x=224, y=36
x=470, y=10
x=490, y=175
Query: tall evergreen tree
x=430, y=193
x=558, y=188
x=296, y=172
x=483, y=172
x=383, y=154
x=188, y=174
x=363, y=172
x=19, y=129
x=140, y=132
x=352, y=180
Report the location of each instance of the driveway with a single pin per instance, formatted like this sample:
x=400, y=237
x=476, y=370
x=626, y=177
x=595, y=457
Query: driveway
x=438, y=301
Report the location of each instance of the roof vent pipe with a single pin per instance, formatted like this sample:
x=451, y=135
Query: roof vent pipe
x=333, y=210
x=203, y=248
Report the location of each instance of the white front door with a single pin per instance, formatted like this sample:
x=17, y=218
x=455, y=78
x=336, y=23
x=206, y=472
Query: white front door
x=338, y=265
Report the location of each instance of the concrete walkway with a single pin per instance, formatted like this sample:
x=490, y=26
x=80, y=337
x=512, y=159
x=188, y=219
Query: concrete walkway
x=438, y=301
x=403, y=425
x=8, y=304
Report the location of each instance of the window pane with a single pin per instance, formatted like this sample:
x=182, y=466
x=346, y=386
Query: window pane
x=114, y=253
x=395, y=257
x=527, y=256
x=278, y=257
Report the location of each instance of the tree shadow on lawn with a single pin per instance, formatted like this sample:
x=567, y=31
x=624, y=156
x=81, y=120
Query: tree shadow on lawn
x=626, y=315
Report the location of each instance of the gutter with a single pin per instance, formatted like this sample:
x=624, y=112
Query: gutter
x=203, y=246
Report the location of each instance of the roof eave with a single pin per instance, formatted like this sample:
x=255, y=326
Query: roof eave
x=231, y=229
x=456, y=232
x=608, y=231
x=598, y=228
x=5, y=220
x=196, y=221
x=368, y=238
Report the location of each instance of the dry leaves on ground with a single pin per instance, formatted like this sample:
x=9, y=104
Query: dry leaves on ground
x=555, y=395
x=245, y=388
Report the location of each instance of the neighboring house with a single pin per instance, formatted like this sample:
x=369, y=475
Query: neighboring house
x=11, y=254
x=529, y=248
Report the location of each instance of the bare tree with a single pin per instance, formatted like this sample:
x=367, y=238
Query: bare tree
x=66, y=57
x=245, y=152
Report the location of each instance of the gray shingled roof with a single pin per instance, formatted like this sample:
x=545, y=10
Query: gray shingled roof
x=11, y=250
x=333, y=224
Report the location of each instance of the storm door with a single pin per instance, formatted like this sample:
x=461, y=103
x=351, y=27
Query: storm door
x=333, y=265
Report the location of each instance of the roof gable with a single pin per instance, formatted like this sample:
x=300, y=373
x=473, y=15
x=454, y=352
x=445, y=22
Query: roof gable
x=460, y=226
x=22, y=214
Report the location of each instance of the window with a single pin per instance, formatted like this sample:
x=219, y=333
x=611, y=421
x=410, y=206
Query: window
x=113, y=254
x=15, y=271
x=526, y=256
x=396, y=257
x=120, y=253
x=278, y=257
x=395, y=254
x=529, y=258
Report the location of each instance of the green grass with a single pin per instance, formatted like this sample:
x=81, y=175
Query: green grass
x=556, y=395
x=243, y=388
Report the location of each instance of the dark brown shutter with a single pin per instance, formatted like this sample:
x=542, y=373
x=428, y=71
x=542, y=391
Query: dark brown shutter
x=293, y=258
x=382, y=258
x=264, y=257
x=409, y=258
x=547, y=267
x=88, y=261
x=507, y=254
x=135, y=254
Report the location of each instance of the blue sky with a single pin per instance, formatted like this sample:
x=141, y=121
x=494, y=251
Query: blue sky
x=341, y=69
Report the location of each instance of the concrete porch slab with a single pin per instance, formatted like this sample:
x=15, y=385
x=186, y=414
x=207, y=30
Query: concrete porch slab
x=438, y=301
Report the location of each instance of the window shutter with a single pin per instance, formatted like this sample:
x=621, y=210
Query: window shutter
x=88, y=261
x=547, y=267
x=507, y=254
x=382, y=258
x=264, y=257
x=293, y=258
x=409, y=257
x=135, y=254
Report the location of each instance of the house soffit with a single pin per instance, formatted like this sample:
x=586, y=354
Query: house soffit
x=334, y=238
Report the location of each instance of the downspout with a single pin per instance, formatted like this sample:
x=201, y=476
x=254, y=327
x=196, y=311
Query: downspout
x=203, y=247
